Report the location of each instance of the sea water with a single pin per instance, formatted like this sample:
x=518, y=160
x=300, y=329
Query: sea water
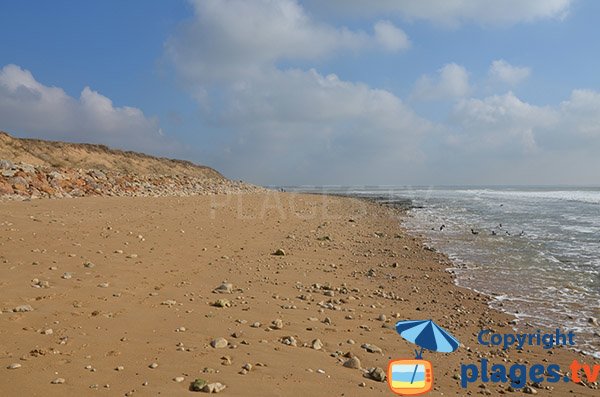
x=535, y=250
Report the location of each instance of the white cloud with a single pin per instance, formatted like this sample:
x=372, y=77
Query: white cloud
x=452, y=12
x=452, y=82
x=503, y=71
x=280, y=122
x=29, y=107
x=391, y=37
x=228, y=39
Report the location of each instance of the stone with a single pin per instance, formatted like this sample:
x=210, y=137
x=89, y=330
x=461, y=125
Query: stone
x=224, y=288
x=213, y=387
x=317, y=344
x=289, y=340
x=219, y=343
x=23, y=309
x=371, y=348
x=247, y=367
x=377, y=374
x=169, y=302
x=14, y=366
x=58, y=381
x=89, y=265
x=153, y=365
x=277, y=324
x=529, y=390
x=67, y=276
x=279, y=252
x=222, y=303
x=178, y=379
x=352, y=362
x=198, y=384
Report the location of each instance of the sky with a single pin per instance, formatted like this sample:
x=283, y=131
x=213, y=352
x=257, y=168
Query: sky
x=314, y=92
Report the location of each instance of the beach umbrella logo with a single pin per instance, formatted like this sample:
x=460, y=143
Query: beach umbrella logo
x=409, y=377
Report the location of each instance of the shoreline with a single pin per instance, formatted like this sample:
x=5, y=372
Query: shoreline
x=349, y=272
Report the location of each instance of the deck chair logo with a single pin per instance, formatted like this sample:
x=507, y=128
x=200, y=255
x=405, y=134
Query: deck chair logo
x=411, y=377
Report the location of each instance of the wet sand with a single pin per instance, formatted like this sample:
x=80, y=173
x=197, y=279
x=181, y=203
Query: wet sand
x=348, y=274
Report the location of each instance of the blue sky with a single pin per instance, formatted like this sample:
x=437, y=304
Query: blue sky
x=314, y=92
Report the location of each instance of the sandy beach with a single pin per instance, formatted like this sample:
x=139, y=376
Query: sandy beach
x=123, y=301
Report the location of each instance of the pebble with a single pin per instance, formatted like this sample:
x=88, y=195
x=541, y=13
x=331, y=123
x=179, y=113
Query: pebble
x=224, y=288
x=213, y=387
x=377, y=374
x=89, y=265
x=103, y=285
x=179, y=379
x=23, y=309
x=289, y=340
x=317, y=344
x=58, y=381
x=153, y=365
x=371, y=348
x=219, y=343
x=277, y=324
x=352, y=362
x=67, y=276
x=279, y=252
x=14, y=366
x=48, y=331
x=222, y=303
x=119, y=368
x=198, y=384
x=180, y=329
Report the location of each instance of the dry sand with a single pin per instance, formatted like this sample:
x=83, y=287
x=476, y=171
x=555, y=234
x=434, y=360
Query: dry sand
x=156, y=262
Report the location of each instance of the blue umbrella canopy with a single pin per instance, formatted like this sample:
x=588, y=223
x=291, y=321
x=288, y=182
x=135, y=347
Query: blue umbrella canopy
x=427, y=335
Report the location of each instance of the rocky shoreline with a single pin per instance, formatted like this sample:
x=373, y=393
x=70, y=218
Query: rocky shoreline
x=21, y=181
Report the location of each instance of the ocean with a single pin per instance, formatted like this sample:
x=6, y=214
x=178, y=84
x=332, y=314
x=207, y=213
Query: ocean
x=535, y=250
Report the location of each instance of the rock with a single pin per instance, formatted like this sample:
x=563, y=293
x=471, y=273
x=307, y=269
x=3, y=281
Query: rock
x=222, y=303
x=352, y=362
x=14, y=366
x=529, y=390
x=317, y=344
x=198, y=384
x=279, y=252
x=371, y=348
x=104, y=285
x=289, y=340
x=377, y=374
x=593, y=321
x=224, y=288
x=219, y=343
x=178, y=379
x=89, y=265
x=153, y=365
x=58, y=381
x=23, y=309
x=169, y=302
x=67, y=276
x=382, y=317
x=213, y=388
x=48, y=331
x=247, y=367
x=277, y=324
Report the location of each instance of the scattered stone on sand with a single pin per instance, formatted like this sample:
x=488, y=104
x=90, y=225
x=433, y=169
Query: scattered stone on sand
x=222, y=303
x=198, y=384
x=14, y=366
x=119, y=368
x=377, y=374
x=277, y=324
x=219, y=343
x=178, y=379
x=48, y=331
x=67, y=276
x=153, y=365
x=382, y=317
x=89, y=265
x=247, y=367
x=529, y=390
x=224, y=288
x=289, y=340
x=23, y=309
x=317, y=344
x=104, y=285
x=371, y=348
x=255, y=324
x=180, y=329
x=169, y=302
x=58, y=381
x=279, y=252
x=352, y=362
x=213, y=387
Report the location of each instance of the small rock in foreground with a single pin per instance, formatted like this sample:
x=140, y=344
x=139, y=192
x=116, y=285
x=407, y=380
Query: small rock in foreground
x=214, y=387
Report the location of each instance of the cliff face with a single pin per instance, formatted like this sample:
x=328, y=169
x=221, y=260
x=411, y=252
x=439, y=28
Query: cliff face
x=88, y=156
x=32, y=168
